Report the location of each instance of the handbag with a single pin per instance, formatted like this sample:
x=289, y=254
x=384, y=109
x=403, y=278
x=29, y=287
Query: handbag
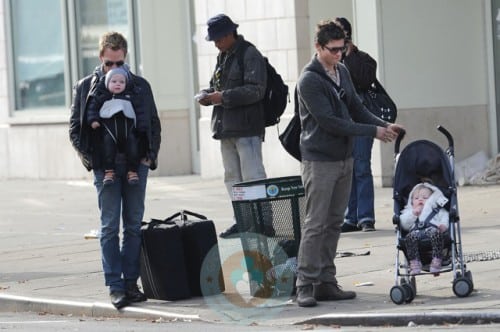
x=378, y=101
x=290, y=138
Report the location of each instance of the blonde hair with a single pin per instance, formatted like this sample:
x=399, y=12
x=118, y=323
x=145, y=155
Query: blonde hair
x=113, y=40
x=418, y=188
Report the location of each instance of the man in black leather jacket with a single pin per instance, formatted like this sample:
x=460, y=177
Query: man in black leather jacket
x=120, y=263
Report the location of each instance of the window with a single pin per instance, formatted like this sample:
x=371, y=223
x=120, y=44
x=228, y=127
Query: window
x=95, y=17
x=56, y=42
x=38, y=53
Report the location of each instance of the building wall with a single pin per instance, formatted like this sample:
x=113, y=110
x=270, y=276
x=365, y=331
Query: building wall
x=433, y=63
x=167, y=61
x=421, y=64
x=35, y=144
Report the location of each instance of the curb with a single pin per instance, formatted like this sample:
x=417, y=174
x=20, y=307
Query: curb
x=14, y=303
x=404, y=319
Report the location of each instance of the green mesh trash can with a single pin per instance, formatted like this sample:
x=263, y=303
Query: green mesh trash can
x=269, y=214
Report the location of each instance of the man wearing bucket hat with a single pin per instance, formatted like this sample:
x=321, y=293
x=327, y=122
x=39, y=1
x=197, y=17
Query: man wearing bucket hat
x=238, y=115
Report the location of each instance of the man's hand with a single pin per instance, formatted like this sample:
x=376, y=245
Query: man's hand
x=395, y=129
x=389, y=133
x=95, y=125
x=214, y=98
x=205, y=101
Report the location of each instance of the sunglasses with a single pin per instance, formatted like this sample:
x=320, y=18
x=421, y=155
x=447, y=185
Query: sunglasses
x=335, y=50
x=111, y=63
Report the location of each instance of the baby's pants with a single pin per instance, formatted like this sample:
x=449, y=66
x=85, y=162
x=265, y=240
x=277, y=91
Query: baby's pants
x=412, y=241
x=119, y=136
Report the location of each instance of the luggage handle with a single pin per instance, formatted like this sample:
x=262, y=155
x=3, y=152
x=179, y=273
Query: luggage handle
x=183, y=214
x=170, y=220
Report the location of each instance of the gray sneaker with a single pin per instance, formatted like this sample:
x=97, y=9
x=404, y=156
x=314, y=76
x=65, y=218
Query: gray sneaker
x=331, y=292
x=305, y=296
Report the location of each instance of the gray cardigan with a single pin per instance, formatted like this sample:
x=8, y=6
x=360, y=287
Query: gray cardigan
x=328, y=123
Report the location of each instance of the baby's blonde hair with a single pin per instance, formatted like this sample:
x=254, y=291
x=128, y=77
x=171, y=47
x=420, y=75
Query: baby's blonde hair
x=418, y=188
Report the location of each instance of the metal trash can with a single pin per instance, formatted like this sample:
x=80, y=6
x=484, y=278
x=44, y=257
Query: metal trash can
x=269, y=214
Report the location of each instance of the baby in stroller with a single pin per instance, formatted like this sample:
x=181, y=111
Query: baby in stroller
x=425, y=217
x=425, y=197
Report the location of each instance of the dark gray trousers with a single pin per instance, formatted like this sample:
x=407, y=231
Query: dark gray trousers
x=327, y=187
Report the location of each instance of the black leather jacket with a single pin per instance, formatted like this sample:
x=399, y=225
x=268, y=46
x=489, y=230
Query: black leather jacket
x=87, y=142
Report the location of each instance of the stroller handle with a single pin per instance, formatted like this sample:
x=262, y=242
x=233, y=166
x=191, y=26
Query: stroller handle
x=447, y=134
x=400, y=137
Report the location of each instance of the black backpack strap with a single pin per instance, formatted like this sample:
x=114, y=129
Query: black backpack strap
x=240, y=54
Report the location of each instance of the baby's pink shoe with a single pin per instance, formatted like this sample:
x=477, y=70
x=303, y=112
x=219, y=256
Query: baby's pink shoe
x=435, y=266
x=415, y=267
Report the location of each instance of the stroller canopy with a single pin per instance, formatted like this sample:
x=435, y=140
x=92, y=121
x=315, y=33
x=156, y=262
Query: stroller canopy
x=422, y=161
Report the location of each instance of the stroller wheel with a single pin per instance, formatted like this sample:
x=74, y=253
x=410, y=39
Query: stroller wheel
x=410, y=292
x=468, y=275
x=413, y=283
x=398, y=294
x=462, y=287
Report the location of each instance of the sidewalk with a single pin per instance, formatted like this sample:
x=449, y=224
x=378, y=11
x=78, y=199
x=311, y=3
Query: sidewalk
x=46, y=265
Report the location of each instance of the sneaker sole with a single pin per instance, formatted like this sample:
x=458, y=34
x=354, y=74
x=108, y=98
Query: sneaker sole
x=307, y=304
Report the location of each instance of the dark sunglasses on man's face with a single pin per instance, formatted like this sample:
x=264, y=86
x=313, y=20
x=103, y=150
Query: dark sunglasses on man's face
x=111, y=63
x=335, y=50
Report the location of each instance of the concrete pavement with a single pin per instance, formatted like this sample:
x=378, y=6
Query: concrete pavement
x=46, y=264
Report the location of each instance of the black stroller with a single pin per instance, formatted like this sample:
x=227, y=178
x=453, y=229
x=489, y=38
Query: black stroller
x=421, y=160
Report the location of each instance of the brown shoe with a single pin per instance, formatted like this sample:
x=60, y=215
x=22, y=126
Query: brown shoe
x=331, y=292
x=305, y=296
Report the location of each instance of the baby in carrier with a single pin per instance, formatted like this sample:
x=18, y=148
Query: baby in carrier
x=425, y=217
x=111, y=107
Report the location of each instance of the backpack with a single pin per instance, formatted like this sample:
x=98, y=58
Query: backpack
x=276, y=95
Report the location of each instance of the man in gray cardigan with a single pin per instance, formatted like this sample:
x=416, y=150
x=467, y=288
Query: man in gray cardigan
x=331, y=115
x=238, y=113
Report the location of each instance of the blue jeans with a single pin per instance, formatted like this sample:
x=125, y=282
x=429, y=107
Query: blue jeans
x=242, y=160
x=361, y=201
x=121, y=262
